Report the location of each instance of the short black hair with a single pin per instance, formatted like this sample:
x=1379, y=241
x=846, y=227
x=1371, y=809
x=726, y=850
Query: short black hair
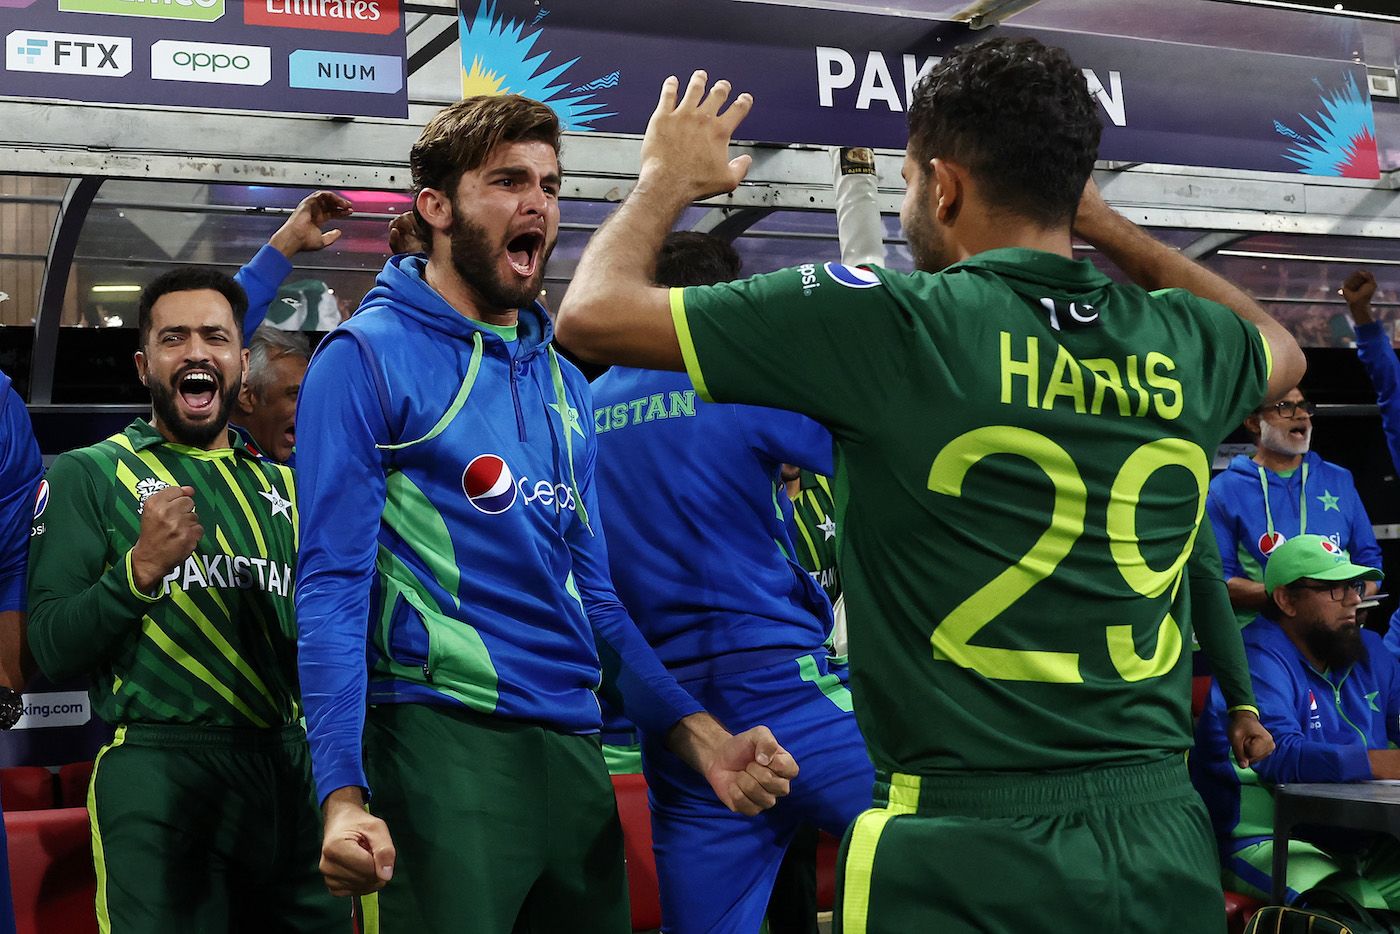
x=1018, y=115
x=691, y=258
x=190, y=279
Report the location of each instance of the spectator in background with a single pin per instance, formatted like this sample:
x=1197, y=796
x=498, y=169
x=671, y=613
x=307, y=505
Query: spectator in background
x=1283, y=491
x=1374, y=350
x=703, y=561
x=263, y=275
x=265, y=414
x=23, y=497
x=1330, y=695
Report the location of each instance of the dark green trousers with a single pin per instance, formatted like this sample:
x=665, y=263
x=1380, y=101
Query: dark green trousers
x=1106, y=850
x=208, y=830
x=499, y=827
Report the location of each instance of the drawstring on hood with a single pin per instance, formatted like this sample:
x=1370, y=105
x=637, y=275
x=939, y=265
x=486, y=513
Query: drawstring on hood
x=1302, y=501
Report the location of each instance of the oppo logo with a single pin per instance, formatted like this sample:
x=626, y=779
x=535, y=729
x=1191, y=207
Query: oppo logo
x=210, y=63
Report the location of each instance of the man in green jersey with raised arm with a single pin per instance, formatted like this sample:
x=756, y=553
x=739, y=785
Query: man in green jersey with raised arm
x=1022, y=461
x=161, y=563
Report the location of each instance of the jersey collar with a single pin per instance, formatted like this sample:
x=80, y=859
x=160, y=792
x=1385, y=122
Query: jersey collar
x=143, y=434
x=1050, y=269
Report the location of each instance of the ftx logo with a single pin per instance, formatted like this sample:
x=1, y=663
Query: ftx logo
x=63, y=53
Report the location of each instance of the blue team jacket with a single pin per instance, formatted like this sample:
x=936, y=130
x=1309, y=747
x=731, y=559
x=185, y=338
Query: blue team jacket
x=699, y=547
x=1323, y=723
x=1378, y=357
x=449, y=520
x=260, y=278
x=1324, y=491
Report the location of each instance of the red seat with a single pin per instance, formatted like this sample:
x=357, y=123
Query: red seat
x=635, y=814
x=827, y=849
x=51, y=872
x=1238, y=910
x=73, y=781
x=1200, y=693
x=26, y=788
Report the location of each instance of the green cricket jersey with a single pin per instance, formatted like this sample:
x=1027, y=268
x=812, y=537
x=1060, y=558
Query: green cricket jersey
x=1022, y=460
x=217, y=644
x=814, y=531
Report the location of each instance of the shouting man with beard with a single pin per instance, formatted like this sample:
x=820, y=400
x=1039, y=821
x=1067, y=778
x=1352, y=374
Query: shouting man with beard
x=1329, y=693
x=161, y=563
x=445, y=470
x=1284, y=490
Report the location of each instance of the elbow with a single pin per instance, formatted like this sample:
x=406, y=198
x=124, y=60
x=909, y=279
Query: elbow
x=1289, y=366
x=576, y=329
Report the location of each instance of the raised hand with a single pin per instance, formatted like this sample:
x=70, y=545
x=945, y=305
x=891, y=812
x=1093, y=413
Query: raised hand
x=302, y=231
x=170, y=532
x=686, y=146
x=1358, y=290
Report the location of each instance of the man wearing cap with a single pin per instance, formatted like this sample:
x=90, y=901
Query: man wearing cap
x=1330, y=694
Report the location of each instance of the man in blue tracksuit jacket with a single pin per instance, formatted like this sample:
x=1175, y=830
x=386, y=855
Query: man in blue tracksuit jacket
x=453, y=574
x=1283, y=491
x=1330, y=694
x=701, y=557
x=1376, y=354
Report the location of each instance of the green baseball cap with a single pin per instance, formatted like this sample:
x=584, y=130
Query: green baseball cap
x=1316, y=557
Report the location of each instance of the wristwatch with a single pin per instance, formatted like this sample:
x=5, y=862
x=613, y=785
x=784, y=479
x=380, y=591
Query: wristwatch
x=11, y=707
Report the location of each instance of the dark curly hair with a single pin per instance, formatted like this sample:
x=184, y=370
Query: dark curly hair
x=1018, y=115
x=189, y=279
x=691, y=258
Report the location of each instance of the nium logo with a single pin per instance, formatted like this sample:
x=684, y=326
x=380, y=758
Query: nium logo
x=377, y=17
x=345, y=71
x=64, y=53
x=203, y=11
x=211, y=63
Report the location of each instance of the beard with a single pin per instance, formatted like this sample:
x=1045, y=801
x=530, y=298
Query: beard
x=1336, y=649
x=926, y=242
x=477, y=262
x=1280, y=441
x=193, y=434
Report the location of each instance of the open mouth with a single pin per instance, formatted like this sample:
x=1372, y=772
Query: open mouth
x=524, y=253
x=197, y=390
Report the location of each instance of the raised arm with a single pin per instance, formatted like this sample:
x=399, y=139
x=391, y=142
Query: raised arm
x=1153, y=265
x=612, y=312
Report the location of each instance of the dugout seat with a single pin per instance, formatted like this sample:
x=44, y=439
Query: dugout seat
x=51, y=872
x=1200, y=693
x=1238, y=910
x=635, y=814
x=827, y=848
x=26, y=788
x=73, y=781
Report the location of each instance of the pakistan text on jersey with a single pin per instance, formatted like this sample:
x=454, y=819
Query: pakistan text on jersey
x=646, y=409
x=244, y=573
x=1135, y=385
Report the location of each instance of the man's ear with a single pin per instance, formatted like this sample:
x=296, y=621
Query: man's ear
x=435, y=207
x=1251, y=423
x=1286, y=600
x=140, y=359
x=949, y=184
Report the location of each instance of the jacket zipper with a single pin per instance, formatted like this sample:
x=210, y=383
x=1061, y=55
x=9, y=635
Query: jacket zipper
x=1337, y=699
x=515, y=398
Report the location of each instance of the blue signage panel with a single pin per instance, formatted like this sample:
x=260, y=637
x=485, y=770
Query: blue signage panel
x=297, y=56
x=845, y=78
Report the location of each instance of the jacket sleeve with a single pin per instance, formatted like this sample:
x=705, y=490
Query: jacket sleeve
x=1223, y=530
x=651, y=698
x=1378, y=357
x=20, y=471
x=79, y=606
x=1214, y=620
x=1282, y=710
x=786, y=437
x=1363, y=548
x=341, y=494
x=261, y=278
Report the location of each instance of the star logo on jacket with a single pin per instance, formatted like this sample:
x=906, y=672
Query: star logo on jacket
x=828, y=529
x=1371, y=700
x=145, y=489
x=280, y=506
x=568, y=415
x=1329, y=501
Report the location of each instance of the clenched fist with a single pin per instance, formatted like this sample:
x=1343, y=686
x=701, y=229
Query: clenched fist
x=170, y=531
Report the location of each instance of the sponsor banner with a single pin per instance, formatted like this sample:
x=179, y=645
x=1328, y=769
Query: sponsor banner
x=374, y=17
x=66, y=53
x=54, y=708
x=172, y=60
x=324, y=57
x=345, y=71
x=845, y=78
x=202, y=11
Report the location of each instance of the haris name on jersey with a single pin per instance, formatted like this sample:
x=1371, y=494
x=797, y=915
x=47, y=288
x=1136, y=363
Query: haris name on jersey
x=1131, y=387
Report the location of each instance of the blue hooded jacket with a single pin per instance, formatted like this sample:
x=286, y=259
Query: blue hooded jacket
x=1319, y=498
x=445, y=482
x=1378, y=357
